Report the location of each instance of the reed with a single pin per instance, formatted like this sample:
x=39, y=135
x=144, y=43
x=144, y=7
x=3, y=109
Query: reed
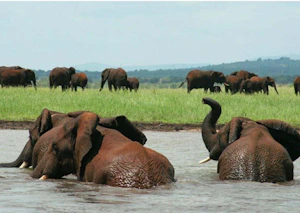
x=150, y=105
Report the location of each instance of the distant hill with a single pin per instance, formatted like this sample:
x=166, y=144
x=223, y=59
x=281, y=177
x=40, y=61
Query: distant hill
x=93, y=66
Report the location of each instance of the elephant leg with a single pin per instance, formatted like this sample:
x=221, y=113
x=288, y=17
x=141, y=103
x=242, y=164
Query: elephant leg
x=109, y=86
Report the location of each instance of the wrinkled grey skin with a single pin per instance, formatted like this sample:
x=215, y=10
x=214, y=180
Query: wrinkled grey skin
x=261, y=151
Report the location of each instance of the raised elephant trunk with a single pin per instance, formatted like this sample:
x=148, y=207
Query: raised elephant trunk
x=209, y=133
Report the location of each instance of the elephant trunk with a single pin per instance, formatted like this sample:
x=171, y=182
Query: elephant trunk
x=23, y=160
x=276, y=89
x=209, y=133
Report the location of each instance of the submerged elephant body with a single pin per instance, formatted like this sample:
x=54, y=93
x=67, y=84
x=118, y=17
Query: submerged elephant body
x=261, y=151
x=203, y=79
x=101, y=155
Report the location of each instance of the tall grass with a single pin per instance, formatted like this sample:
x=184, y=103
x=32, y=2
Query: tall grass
x=150, y=105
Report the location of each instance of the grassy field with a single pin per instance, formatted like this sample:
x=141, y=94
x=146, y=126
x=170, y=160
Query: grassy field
x=150, y=105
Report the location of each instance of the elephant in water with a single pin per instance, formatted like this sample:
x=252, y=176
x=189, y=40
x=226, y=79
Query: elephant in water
x=100, y=155
x=203, y=79
x=116, y=78
x=261, y=151
x=61, y=76
x=50, y=119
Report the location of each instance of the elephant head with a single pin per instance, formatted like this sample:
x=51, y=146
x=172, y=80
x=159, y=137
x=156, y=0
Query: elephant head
x=218, y=77
x=104, y=76
x=271, y=82
x=45, y=121
x=70, y=147
x=30, y=76
x=217, y=142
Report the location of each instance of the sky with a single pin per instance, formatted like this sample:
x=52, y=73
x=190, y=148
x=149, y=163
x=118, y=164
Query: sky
x=44, y=35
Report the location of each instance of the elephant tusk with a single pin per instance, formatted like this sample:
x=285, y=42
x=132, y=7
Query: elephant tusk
x=205, y=160
x=24, y=165
x=44, y=177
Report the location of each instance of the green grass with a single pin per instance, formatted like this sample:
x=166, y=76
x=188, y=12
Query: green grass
x=150, y=105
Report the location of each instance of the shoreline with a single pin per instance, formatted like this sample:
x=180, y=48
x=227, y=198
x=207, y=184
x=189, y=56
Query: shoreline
x=156, y=126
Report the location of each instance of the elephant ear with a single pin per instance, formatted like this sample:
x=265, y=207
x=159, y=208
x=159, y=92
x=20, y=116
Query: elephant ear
x=124, y=126
x=105, y=74
x=44, y=122
x=82, y=129
x=285, y=134
x=235, y=127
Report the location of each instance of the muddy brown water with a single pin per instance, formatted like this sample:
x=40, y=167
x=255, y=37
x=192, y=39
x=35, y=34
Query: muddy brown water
x=197, y=189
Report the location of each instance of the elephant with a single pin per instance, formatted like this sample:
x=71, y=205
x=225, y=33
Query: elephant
x=17, y=76
x=261, y=151
x=61, y=76
x=101, y=155
x=78, y=79
x=203, y=79
x=49, y=119
x=233, y=84
x=132, y=84
x=115, y=77
x=257, y=84
x=243, y=74
x=297, y=85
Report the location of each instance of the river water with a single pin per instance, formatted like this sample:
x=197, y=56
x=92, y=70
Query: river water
x=197, y=189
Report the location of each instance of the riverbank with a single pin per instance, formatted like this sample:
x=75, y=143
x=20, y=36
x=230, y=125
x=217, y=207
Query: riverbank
x=162, y=127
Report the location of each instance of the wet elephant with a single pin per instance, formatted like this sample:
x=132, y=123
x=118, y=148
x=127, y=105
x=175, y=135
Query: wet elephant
x=261, y=151
x=132, y=84
x=17, y=76
x=258, y=84
x=243, y=74
x=232, y=84
x=101, y=155
x=61, y=76
x=78, y=80
x=49, y=119
x=203, y=79
x=116, y=78
x=297, y=85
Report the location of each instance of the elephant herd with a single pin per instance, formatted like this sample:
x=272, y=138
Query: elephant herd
x=67, y=78
x=111, y=150
x=240, y=81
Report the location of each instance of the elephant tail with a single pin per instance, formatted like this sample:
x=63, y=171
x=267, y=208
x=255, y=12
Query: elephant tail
x=182, y=83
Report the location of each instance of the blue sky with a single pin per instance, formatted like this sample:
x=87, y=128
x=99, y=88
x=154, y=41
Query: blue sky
x=43, y=35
